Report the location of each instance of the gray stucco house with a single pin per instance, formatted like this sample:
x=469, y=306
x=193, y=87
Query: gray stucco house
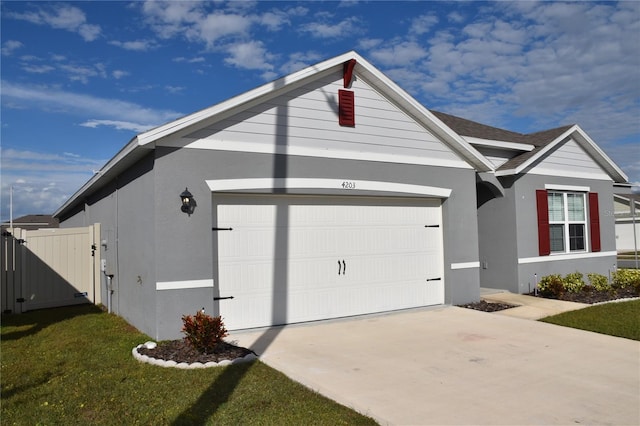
x=331, y=192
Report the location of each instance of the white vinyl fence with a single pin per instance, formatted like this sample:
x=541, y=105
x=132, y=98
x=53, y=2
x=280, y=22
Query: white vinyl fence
x=50, y=267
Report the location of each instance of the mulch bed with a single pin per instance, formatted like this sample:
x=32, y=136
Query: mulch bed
x=485, y=306
x=181, y=351
x=588, y=295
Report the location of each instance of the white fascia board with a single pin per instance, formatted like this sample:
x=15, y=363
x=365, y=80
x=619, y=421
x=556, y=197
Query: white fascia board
x=511, y=146
x=508, y=172
x=603, y=159
x=251, y=97
x=101, y=174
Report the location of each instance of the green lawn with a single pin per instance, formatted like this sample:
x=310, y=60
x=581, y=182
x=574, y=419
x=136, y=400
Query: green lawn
x=74, y=366
x=620, y=319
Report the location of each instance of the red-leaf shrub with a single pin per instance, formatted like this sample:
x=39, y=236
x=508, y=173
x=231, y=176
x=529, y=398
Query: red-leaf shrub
x=203, y=331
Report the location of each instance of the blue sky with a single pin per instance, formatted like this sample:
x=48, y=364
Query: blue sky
x=80, y=79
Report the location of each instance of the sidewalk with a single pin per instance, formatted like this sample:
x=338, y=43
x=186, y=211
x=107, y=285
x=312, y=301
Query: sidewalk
x=528, y=307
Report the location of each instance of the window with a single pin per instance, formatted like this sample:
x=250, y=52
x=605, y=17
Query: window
x=567, y=221
x=562, y=221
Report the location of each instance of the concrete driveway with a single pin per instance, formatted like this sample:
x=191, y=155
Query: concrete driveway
x=451, y=365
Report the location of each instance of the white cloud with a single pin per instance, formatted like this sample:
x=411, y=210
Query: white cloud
x=191, y=20
x=65, y=17
x=369, y=43
x=348, y=26
x=135, y=45
x=249, y=55
x=222, y=30
x=41, y=181
x=168, y=19
x=455, y=17
x=216, y=26
x=117, y=124
x=118, y=74
x=423, y=24
x=174, y=89
x=300, y=60
x=274, y=20
x=83, y=73
x=38, y=69
x=195, y=60
x=10, y=46
x=85, y=105
x=400, y=53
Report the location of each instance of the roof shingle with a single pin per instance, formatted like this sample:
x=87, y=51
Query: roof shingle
x=473, y=129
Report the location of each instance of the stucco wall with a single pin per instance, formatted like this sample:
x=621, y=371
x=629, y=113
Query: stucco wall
x=184, y=244
x=497, y=234
x=528, y=232
x=125, y=209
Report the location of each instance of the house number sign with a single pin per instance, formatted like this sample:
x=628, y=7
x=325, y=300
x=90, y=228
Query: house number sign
x=348, y=184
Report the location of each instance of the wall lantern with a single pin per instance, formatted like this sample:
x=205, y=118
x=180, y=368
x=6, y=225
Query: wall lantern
x=188, y=202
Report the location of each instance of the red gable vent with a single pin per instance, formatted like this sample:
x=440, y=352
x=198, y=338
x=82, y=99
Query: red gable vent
x=346, y=108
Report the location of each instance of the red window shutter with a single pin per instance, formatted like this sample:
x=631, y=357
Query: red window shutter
x=544, y=245
x=346, y=108
x=594, y=221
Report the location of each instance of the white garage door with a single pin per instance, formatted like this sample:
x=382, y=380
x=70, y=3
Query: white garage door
x=291, y=259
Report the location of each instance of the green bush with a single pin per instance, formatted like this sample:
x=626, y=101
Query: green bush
x=551, y=286
x=203, y=332
x=599, y=282
x=623, y=278
x=573, y=282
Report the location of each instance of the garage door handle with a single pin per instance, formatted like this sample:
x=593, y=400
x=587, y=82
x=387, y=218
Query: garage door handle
x=342, y=267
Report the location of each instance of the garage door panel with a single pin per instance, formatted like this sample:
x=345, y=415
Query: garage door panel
x=291, y=253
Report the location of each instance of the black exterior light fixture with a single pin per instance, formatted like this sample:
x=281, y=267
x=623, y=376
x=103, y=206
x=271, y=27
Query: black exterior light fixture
x=188, y=202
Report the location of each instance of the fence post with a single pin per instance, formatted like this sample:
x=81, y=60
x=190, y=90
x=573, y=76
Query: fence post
x=97, y=255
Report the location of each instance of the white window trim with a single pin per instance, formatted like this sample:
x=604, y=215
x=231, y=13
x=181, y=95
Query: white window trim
x=566, y=222
x=569, y=188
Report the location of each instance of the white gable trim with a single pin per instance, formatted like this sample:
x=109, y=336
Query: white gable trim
x=236, y=146
x=346, y=185
x=585, y=142
x=511, y=146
